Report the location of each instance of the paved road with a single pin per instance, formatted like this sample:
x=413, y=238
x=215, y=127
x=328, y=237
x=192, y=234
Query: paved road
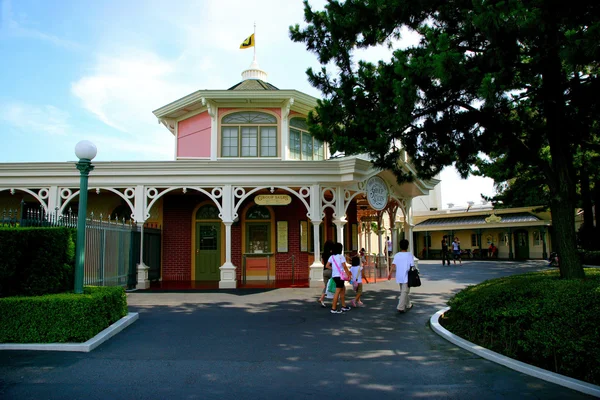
x=279, y=344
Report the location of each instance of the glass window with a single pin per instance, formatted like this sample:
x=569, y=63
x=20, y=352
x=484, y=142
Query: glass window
x=302, y=145
x=319, y=150
x=268, y=142
x=475, y=241
x=253, y=130
x=503, y=239
x=249, y=117
x=208, y=211
x=258, y=212
x=295, y=144
x=307, y=146
x=249, y=141
x=230, y=142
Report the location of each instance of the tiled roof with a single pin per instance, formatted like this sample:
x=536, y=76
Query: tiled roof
x=253, y=84
x=479, y=220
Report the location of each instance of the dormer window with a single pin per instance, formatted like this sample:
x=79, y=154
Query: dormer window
x=302, y=145
x=249, y=134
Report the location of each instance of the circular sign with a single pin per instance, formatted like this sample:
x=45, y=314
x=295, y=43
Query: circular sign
x=377, y=193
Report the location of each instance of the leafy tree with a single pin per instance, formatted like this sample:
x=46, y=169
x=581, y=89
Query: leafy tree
x=509, y=79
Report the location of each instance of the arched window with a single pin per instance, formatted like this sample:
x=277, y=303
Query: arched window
x=258, y=212
x=208, y=211
x=249, y=134
x=302, y=145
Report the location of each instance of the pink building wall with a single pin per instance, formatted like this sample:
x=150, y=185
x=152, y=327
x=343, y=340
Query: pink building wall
x=193, y=136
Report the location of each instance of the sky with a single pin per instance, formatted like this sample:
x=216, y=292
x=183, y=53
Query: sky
x=95, y=70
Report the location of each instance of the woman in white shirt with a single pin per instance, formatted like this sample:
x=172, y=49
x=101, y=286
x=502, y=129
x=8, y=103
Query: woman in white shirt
x=339, y=268
x=403, y=260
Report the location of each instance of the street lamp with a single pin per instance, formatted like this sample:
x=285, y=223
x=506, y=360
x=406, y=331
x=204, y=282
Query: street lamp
x=85, y=151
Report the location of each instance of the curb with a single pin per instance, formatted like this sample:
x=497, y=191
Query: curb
x=87, y=346
x=519, y=366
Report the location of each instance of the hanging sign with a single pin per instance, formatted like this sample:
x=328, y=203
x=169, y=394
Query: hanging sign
x=377, y=193
x=273, y=199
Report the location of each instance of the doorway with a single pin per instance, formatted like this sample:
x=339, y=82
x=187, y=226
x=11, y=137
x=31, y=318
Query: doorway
x=521, y=244
x=207, y=244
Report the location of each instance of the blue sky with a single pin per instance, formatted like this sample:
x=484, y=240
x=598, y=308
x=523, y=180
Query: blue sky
x=96, y=70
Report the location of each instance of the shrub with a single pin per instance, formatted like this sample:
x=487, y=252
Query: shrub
x=589, y=257
x=536, y=318
x=61, y=318
x=36, y=261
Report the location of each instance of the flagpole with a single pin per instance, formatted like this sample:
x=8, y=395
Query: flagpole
x=254, y=40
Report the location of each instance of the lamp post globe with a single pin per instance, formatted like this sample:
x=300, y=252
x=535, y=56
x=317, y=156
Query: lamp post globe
x=85, y=151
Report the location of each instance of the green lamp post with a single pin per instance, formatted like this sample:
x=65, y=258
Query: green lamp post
x=85, y=151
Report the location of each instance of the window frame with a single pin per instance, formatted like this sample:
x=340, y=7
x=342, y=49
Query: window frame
x=258, y=139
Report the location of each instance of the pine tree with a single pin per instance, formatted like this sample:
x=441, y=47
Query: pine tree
x=512, y=81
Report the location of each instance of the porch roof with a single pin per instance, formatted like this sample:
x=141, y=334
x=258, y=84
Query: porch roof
x=489, y=220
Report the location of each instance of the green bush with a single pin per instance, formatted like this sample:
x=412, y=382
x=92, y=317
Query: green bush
x=589, y=257
x=61, y=318
x=36, y=261
x=536, y=318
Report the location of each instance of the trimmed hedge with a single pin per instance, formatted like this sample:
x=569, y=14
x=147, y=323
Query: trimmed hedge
x=61, y=318
x=36, y=261
x=535, y=318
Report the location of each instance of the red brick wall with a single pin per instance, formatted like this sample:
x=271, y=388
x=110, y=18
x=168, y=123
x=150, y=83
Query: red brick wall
x=177, y=237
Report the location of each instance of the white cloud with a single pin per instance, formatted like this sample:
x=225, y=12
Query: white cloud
x=45, y=119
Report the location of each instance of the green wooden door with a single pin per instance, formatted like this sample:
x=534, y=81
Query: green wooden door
x=208, y=251
x=521, y=245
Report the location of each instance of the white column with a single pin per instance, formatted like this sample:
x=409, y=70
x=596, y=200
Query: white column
x=228, y=277
x=316, y=268
x=340, y=215
x=315, y=276
x=285, y=143
x=54, y=201
x=139, y=215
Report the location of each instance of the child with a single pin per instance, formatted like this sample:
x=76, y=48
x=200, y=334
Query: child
x=358, y=274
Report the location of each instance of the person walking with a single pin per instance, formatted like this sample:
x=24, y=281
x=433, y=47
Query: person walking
x=358, y=274
x=456, y=250
x=445, y=253
x=339, y=270
x=403, y=260
x=390, y=247
x=327, y=252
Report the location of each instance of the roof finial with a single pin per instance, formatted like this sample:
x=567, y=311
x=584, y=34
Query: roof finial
x=254, y=71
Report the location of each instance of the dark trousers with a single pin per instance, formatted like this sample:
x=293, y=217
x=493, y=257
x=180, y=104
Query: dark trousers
x=445, y=257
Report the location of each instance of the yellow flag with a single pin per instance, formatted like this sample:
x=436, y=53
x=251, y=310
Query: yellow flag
x=249, y=42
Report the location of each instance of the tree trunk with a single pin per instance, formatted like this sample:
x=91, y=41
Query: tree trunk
x=561, y=174
x=563, y=222
x=587, y=232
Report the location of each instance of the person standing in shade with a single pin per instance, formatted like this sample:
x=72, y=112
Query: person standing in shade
x=403, y=260
x=327, y=252
x=338, y=266
x=445, y=253
x=456, y=250
x=390, y=247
